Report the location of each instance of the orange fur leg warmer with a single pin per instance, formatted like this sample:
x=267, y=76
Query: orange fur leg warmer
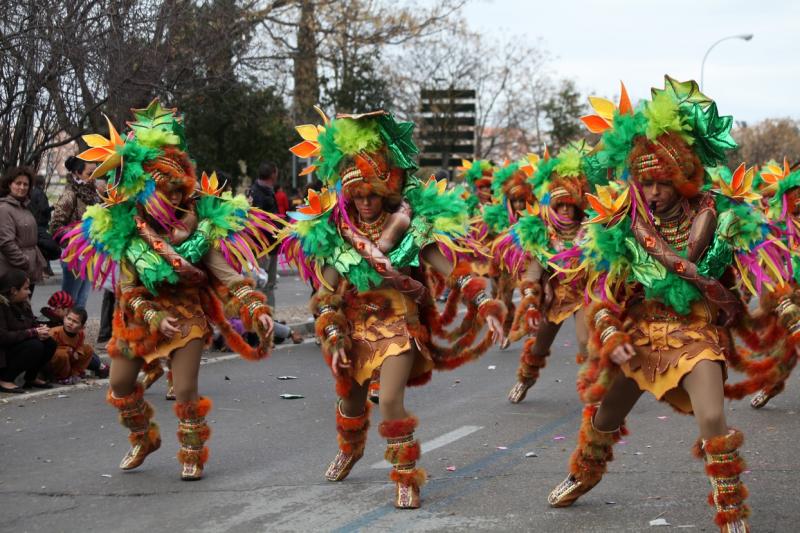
x=403, y=451
x=723, y=467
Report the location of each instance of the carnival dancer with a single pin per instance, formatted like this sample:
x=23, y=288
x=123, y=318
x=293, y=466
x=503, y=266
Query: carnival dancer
x=657, y=248
x=369, y=242
x=512, y=192
x=774, y=353
x=477, y=177
x=180, y=252
x=541, y=248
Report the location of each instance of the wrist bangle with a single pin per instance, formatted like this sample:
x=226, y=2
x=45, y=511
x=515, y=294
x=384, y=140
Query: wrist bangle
x=149, y=315
x=462, y=281
x=325, y=309
x=601, y=315
x=481, y=299
x=786, y=307
x=607, y=333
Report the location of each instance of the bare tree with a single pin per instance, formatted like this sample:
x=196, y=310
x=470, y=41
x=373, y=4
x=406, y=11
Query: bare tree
x=506, y=75
x=63, y=62
x=326, y=39
x=770, y=139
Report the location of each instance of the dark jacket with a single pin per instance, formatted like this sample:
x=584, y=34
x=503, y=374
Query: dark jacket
x=39, y=205
x=17, y=324
x=263, y=197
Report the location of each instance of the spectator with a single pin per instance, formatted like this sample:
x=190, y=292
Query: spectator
x=57, y=307
x=109, y=299
x=72, y=355
x=282, y=200
x=79, y=193
x=18, y=231
x=262, y=194
x=39, y=205
x=24, y=345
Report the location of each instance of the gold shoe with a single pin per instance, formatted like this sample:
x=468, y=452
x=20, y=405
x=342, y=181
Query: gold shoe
x=170, y=392
x=407, y=495
x=341, y=466
x=137, y=454
x=506, y=343
x=568, y=491
x=191, y=472
x=520, y=390
x=738, y=526
x=760, y=399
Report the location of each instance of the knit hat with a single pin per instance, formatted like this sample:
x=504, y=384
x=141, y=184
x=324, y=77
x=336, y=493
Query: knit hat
x=61, y=300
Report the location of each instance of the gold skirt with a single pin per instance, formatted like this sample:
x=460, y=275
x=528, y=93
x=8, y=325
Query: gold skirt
x=191, y=321
x=668, y=346
x=566, y=302
x=380, y=321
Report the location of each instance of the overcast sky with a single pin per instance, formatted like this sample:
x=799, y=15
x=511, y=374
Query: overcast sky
x=599, y=42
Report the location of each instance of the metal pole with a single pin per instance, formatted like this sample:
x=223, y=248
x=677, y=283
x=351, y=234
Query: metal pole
x=744, y=37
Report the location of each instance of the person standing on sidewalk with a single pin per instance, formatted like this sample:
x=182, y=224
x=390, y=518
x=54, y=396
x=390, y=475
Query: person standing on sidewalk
x=262, y=196
x=79, y=193
x=18, y=230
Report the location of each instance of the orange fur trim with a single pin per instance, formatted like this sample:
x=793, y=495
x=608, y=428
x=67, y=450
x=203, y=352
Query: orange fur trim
x=473, y=287
x=352, y=431
x=724, y=443
x=416, y=477
x=392, y=429
x=494, y=308
x=590, y=458
x=128, y=401
x=213, y=308
x=324, y=299
x=194, y=409
x=463, y=268
x=420, y=380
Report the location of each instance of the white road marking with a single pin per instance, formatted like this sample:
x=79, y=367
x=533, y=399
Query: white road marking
x=438, y=442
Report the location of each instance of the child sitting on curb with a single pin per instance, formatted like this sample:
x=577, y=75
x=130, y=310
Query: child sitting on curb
x=72, y=355
x=57, y=307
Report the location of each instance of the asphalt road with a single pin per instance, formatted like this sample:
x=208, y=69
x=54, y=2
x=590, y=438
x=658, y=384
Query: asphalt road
x=59, y=457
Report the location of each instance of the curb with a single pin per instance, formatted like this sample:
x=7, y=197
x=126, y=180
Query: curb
x=65, y=390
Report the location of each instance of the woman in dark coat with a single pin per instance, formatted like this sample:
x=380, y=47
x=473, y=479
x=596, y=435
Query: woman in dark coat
x=25, y=346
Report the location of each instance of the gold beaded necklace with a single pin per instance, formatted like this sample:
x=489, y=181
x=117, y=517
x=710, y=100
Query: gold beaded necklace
x=675, y=228
x=373, y=230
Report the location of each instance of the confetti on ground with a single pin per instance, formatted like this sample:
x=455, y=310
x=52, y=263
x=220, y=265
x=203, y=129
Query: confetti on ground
x=502, y=447
x=659, y=522
x=292, y=396
x=451, y=469
x=531, y=454
x=284, y=378
x=622, y=442
x=559, y=437
x=105, y=475
x=662, y=417
x=492, y=367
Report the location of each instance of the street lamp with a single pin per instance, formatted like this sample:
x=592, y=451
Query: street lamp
x=744, y=37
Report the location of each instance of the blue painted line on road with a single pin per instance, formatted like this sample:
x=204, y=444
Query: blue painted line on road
x=441, y=484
